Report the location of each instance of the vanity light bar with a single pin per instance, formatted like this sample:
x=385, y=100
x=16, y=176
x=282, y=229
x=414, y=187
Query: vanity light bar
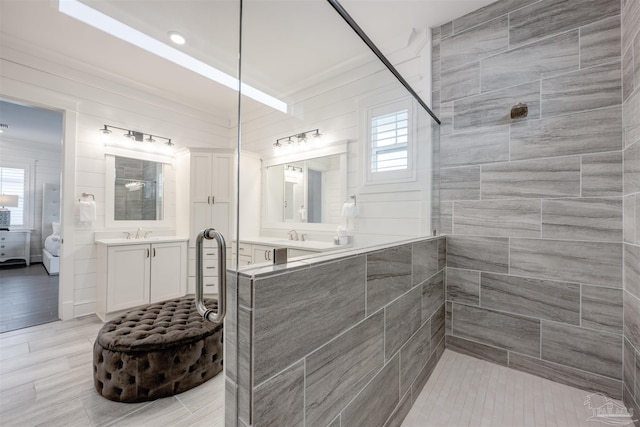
x=301, y=138
x=134, y=135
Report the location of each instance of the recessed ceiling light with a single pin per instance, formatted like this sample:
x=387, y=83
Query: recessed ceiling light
x=177, y=38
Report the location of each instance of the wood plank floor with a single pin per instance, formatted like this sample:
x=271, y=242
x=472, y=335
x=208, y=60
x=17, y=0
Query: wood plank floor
x=28, y=297
x=46, y=379
x=464, y=391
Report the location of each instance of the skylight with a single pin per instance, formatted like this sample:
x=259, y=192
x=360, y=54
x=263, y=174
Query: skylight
x=109, y=25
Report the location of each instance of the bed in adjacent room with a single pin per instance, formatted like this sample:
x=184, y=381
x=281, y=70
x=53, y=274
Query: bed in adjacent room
x=51, y=228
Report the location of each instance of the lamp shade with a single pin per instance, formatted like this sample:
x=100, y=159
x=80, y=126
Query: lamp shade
x=9, y=200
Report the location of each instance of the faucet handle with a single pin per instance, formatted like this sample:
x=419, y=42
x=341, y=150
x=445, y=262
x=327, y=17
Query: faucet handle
x=127, y=235
x=146, y=234
x=303, y=237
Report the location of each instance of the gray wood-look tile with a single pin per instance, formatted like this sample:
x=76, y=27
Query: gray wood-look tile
x=637, y=388
x=401, y=411
x=432, y=295
x=231, y=330
x=280, y=401
x=448, y=313
x=631, y=168
x=546, y=58
x=631, y=119
x=463, y=286
x=600, y=42
x=446, y=215
x=628, y=83
x=636, y=60
x=230, y=407
x=493, y=108
x=629, y=218
x=337, y=371
x=437, y=326
x=376, y=402
x=497, y=329
x=630, y=23
x=556, y=177
x=547, y=17
x=628, y=364
x=446, y=117
x=442, y=253
x=310, y=306
x=595, y=87
x=488, y=145
x=632, y=269
x=245, y=380
x=388, y=275
x=602, y=308
x=446, y=30
x=480, y=351
x=631, y=319
x=591, y=351
x=597, y=219
x=460, y=183
x=595, y=263
x=504, y=218
x=335, y=423
x=413, y=356
x=637, y=225
x=487, y=13
x=479, y=42
x=543, y=299
x=460, y=81
x=478, y=253
x=602, y=174
x=428, y=369
x=424, y=260
x=581, y=133
x=566, y=375
x=401, y=319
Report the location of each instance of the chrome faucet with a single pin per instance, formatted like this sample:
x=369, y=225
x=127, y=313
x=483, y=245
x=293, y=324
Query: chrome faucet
x=139, y=234
x=293, y=233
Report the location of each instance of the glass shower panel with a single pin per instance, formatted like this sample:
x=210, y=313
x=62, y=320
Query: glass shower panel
x=349, y=160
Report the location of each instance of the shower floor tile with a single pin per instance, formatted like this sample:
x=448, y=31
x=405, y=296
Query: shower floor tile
x=464, y=391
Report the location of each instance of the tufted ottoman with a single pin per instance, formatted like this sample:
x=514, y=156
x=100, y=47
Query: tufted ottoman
x=155, y=351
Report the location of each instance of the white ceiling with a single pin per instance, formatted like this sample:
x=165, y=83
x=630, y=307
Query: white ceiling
x=287, y=44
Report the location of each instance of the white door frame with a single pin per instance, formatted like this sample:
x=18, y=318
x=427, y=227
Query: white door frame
x=45, y=98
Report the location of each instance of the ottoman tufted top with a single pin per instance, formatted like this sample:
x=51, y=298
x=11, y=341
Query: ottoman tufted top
x=157, y=326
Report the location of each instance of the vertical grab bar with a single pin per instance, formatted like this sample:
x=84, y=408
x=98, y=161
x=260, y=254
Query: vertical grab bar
x=205, y=312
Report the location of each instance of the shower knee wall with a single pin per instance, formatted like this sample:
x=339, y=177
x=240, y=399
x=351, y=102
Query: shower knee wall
x=542, y=213
x=349, y=339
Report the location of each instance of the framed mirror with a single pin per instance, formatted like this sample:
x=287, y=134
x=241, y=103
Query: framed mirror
x=135, y=193
x=306, y=190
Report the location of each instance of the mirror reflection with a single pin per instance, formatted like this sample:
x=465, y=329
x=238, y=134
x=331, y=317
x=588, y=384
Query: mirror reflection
x=138, y=190
x=306, y=191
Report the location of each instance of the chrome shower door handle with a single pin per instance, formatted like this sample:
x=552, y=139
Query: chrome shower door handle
x=206, y=313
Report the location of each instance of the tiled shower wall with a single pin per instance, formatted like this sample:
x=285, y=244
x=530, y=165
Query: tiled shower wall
x=533, y=207
x=631, y=200
x=344, y=341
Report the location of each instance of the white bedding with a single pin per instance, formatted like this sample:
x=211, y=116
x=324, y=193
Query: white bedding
x=52, y=244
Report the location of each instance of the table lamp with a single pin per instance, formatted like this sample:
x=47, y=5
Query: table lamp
x=5, y=214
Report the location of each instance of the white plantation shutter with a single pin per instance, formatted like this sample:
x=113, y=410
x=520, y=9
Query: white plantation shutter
x=12, y=182
x=390, y=142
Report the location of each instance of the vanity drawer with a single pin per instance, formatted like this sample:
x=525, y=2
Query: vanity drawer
x=11, y=237
x=207, y=253
x=209, y=267
x=242, y=248
x=210, y=285
x=11, y=251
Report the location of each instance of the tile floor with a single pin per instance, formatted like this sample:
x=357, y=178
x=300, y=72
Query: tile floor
x=28, y=297
x=464, y=391
x=46, y=379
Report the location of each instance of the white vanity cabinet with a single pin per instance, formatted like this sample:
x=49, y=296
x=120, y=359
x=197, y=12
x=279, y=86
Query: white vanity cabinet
x=210, y=206
x=133, y=274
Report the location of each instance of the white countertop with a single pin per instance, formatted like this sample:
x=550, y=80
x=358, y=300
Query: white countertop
x=309, y=245
x=120, y=241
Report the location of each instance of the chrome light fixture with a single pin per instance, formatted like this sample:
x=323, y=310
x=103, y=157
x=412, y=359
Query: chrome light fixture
x=300, y=139
x=130, y=136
